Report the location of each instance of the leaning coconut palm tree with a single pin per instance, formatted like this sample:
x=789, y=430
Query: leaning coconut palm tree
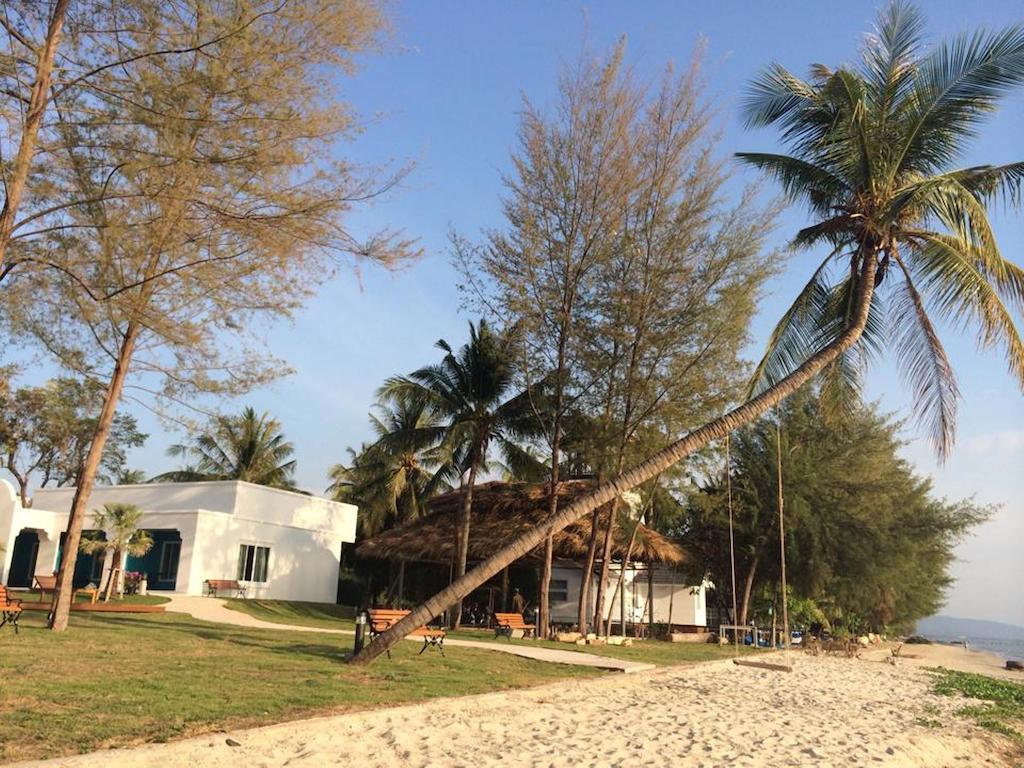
x=247, y=447
x=392, y=478
x=121, y=524
x=470, y=394
x=872, y=152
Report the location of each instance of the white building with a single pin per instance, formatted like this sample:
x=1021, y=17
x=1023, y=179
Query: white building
x=281, y=545
x=687, y=604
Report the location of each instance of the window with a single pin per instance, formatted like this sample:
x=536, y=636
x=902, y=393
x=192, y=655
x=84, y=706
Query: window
x=169, y=553
x=558, y=590
x=252, y=562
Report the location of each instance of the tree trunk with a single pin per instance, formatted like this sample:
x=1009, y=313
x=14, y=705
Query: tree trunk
x=72, y=538
x=583, y=611
x=606, y=564
x=38, y=100
x=504, y=590
x=620, y=587
x=747, y=588
x=544, y=611
x=462, y=548
x=671, y=603
x=654, y=465
x=112, y=574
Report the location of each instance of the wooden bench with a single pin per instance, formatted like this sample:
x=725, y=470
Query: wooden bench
x=224, y=585
x=46, y=584
x=10, y=609
x=507, y=623
x=382, y=619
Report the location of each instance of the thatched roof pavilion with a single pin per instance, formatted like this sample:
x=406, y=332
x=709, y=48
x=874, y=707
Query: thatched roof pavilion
x=501, y=512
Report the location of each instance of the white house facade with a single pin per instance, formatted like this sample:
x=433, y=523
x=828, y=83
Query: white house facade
x=281, y=545
x=682, y=605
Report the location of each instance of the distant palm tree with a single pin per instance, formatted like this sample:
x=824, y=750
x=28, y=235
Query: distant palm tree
x=392, y=478
x=247, y=447
x=871, y=151
x=470, y=393
x=121, y=524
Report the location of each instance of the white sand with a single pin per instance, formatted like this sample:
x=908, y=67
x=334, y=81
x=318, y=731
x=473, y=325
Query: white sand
x=827, y=712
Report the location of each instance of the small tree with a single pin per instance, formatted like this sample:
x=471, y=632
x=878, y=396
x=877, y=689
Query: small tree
x=121, y=524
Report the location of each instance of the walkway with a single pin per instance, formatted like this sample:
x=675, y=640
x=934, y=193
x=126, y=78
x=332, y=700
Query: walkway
x=214, y=610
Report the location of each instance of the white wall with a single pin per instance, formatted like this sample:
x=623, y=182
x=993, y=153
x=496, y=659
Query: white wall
x=303, y=564
x=304, y=533
x=688, y=602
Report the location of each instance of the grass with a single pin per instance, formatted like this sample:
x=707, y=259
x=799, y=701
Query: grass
x=116, y=680
x=646, y=651
x=330, y=616
x=1003, y=710
x=325, y=615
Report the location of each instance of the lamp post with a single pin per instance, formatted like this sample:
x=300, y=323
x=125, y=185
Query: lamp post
x=360, y=632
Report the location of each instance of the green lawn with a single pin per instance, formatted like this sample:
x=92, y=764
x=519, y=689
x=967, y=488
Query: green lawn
x=115, y=680
x=301, y=614
x=339, y=617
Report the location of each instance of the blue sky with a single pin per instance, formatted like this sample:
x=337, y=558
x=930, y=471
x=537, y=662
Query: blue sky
x=446, y=94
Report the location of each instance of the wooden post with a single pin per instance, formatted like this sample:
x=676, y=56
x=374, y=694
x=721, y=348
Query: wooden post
x=671, y=602
x=401, y=582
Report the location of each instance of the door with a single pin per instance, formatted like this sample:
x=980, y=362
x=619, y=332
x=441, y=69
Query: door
x=23, y=559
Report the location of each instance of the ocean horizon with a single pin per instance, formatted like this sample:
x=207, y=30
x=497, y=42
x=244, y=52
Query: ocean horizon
x=1006, y=648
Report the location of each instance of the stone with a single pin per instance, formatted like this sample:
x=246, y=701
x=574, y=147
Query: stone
x=568, y=637
x=1015, y=665
x=232, y=743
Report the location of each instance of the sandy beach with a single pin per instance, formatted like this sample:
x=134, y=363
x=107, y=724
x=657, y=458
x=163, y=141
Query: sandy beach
x=827, y=712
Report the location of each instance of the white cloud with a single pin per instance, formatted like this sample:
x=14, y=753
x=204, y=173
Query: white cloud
x=1007, y=441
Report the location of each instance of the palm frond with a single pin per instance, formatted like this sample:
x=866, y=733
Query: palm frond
x=924, y=364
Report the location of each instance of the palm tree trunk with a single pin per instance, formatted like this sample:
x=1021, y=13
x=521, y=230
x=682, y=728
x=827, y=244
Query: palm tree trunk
x=654, y=465
x=748, y=587
x=462, y=548
x=583, y=611
x=112, y=574
x=38, y=99
x=606, y=564
x=544, y=612
x=63, y=594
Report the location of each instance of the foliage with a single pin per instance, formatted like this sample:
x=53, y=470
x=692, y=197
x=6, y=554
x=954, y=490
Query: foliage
x=1004, y=712
x=120, y=523
x=391, y=479
x=470, y=393
x=865, y=540
x=247, y=447
x=132, y=581
x=871, y=154
x=47, y=430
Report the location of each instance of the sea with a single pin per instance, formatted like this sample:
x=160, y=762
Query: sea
x=1005, y=648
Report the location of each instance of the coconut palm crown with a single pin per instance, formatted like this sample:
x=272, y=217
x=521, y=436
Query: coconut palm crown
x=872, y=151
x=392, y=478
x=247, y=447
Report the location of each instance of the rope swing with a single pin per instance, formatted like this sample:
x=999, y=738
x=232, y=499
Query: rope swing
x=782, y=552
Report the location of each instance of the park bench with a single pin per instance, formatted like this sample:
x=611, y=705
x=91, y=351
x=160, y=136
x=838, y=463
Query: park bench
x=46, y=584
x=224, y=585
x=382, y=619
x=10, y=609
x=507, y=623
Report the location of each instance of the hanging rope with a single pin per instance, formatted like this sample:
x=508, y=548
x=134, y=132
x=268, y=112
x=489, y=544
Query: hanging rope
x=732, y=542
x=782, y=529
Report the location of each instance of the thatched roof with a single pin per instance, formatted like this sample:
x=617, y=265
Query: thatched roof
x=501, y=513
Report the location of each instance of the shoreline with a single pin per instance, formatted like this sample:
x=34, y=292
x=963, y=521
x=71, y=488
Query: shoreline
x=956, y=657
